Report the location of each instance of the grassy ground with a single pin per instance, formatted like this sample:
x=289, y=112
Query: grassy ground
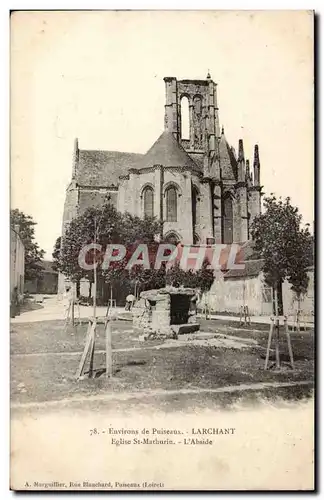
x=45, y=358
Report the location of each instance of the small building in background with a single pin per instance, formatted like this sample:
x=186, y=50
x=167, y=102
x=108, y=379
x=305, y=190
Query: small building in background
x=46, y=283
x=17, y=262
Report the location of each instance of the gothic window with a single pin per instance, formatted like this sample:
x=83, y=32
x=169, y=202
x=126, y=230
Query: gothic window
x=172, y=238
x=185, y=118
x=194, y=199
x=148, y=201
x=228, y=219
x=171, y=204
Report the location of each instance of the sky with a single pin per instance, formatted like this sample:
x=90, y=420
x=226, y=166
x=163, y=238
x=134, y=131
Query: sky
x=99, y=76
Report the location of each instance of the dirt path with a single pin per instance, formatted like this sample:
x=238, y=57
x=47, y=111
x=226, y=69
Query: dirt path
x=124, y=396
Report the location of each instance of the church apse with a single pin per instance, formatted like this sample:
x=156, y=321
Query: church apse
x=191, y=151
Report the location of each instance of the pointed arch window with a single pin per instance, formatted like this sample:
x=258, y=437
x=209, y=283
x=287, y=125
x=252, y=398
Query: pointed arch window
x=194, y=200
x=172, y=238
x=148, y=196
x=228, y=219
x=171, y=204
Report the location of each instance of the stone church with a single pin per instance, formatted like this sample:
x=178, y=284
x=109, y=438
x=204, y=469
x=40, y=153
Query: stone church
x=197, y=184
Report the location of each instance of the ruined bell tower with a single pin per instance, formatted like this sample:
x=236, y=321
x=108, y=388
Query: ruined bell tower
x=201, y=98
x=233, y=195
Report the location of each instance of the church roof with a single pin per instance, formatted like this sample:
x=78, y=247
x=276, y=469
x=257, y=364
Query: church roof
x=102, y=168
x=168, y=152
x=228, y=162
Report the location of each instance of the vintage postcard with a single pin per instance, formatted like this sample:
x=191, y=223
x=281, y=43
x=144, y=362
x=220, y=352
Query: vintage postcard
x=162, y=250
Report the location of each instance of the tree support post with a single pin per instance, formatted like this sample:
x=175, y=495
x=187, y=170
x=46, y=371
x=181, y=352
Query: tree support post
x=88, y=346
x=245, y=313
x=291, y=356
x=275, y=326
x=269, y=344
x=277, y=329
x=108, y=350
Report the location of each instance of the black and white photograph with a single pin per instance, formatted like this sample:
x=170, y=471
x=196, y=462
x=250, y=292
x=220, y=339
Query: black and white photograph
x=162, y=250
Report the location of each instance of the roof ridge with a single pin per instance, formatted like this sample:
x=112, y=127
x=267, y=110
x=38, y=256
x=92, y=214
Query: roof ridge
x=109, y=151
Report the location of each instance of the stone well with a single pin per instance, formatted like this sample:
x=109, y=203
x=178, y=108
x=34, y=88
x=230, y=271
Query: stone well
x=166, y=312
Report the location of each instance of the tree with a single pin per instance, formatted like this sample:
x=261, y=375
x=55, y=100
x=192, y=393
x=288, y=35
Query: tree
x=201, y=279
x=176, y=276
x=105, y=225
x=113, y=227
x=132, y=231
x=81, y=232
x=56, y=254
x=33, y=254
x=285, y=247
x=298, y=277
x=147, y=279
x=204, y=277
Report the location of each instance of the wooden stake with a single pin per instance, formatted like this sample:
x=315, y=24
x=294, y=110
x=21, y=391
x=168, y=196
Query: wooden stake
x=298, y=320
x=85, y=352
x=108, y=350
x=92, y=325
x=78, y=305
x=248, y=315
x=275, y=324
x=107, y=313
x=244, y=313
x=269, y=345
x=289, y=345
x=67, y=316
x=277, y=345
x=95, y=273
x=72, y=310
x=277, y=330
x=92, y=347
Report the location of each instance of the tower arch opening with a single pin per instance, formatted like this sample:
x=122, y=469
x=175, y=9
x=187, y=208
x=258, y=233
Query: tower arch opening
x=185, y=119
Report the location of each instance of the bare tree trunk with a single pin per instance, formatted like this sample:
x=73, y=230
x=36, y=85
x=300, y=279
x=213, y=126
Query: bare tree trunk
x=298, y=314
x=72, y=310
x=280, y=299
x=274, y=300
x=277, y=328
